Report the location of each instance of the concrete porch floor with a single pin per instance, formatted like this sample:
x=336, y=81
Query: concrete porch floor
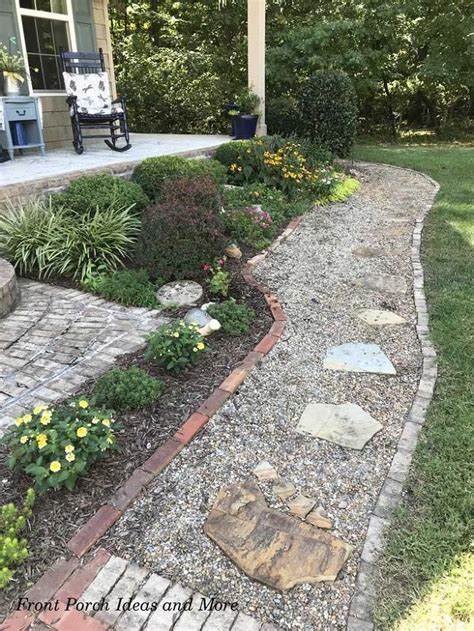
x=31, y=167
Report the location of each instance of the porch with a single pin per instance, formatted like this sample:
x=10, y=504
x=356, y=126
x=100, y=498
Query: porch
x=31, y=174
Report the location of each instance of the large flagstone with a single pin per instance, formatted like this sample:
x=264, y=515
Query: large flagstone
x=358, y=357
x=380, y=317
x=383, y=283
x=347, y=425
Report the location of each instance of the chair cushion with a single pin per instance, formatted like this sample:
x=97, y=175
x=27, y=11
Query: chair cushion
x=92, y=92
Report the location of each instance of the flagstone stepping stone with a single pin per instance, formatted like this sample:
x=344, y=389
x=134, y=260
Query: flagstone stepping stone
x=180, y=293
x=380, y=317
x=301, y=506
x=383, y=283
x=347, y=424
x=367, y=252
x=284, y=490
x=318, y=517
x=270, y=546
x=265, y=471
x=358, y=357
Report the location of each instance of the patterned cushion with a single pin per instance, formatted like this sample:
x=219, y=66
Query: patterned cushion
x=92, y=92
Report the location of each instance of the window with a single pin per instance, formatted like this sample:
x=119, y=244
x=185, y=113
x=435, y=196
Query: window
x=46, y=29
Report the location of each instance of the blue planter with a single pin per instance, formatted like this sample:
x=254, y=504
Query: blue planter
x=245, y=126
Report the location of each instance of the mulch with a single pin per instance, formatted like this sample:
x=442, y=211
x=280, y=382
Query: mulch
x=58, y=514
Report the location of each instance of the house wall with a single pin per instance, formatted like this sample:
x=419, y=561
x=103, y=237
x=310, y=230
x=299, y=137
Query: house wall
x=91, y=25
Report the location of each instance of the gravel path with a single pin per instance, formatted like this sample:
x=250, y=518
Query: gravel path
x=314, y=274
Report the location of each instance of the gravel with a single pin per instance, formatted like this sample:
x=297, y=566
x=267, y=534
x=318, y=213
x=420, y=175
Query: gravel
x=313, y=273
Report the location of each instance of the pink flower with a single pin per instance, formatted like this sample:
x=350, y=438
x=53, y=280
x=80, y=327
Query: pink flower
x=206, y=267
x=221, y=262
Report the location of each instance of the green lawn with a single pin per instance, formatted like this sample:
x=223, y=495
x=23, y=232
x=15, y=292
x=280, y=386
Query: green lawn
x=426, y=578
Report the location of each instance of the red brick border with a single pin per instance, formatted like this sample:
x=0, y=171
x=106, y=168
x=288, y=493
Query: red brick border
x=90, y=533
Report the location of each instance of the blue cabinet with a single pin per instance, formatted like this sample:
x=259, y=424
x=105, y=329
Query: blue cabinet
x=20, y=123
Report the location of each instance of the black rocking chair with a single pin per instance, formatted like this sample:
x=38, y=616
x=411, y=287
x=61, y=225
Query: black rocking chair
x=89, y=100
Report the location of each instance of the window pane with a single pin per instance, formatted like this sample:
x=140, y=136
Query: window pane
x=27, y=4
x=60, y=36
x=43, y=5
x=45, y=35
x=29, y=30
x=50, y=69
x=34, y=62
x=58, y=6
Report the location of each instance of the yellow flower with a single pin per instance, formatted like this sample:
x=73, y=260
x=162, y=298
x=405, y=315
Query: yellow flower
x=82, y=432
x=19, y=421
x=110, y=440
x=95, y=420
x=200, y=346
x=83, y=404
x=70, y=457
x=46, y=417
x=106, y=422
x=42, y=440
x=55, y=466
x=27, y=418
x=69, y=448
x=39, y=408
x=23, y=440
x=176, y=334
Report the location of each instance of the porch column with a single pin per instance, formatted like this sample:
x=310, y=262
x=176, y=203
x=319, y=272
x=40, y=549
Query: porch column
x=256, y=56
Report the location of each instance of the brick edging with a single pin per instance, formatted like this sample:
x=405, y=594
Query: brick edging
x=360, y=611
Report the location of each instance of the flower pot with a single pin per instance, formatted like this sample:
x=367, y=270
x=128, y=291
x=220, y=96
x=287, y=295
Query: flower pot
x=11, y=85
x=245, y=126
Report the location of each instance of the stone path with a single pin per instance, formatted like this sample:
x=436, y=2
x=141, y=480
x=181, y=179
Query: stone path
x=127, y=597
x=344, y=259
x=57, y=339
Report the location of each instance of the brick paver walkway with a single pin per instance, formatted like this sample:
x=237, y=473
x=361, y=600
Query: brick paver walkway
x=110, y=593
x=57, y=339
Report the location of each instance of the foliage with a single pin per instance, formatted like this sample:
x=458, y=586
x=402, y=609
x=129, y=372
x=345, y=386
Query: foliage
x=13, y=550
x=175, y=346
x=55, y=446
x=343, y=188
x=101, y=192
x=251, y=225
x=219, y=280
x=12, y=65
x=39, y=239
x=431, y=536
x=183, y=231
x=248, y=102
x=153, y=173
x=328, y=111
x=128, y=287
x=235, y=318
x=129, y=389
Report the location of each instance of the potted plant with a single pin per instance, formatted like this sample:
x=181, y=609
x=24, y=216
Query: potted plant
x=13, y=70
x=245, y=119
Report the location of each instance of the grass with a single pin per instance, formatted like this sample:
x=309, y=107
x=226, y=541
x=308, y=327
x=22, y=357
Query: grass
x=426, y=577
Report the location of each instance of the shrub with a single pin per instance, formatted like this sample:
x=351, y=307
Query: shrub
x=92, y=192
x=128, y=389
x=218, y=281
x=37, y=239
x=128, y=287
x=282, y=116
x=235, y=319
x=175, y=346
x=55, y=446
x=153, y=173
x=229, y=152
x=328, y=110
x=252, y=226
x=182, y=232
x=269, y=199
x=13, y=550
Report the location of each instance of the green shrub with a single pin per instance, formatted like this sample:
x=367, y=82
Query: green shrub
x=252, y=226
x=13, y=550
x=328, y=110
x=153, y=173
x=175, y=346
x=55, y=446
x=270, y=199
x=128, y=389
x=235, y=319
x=219, y=280
x=182, y=232
x=282, y=116
x=128, y=287
x=92, y=192
x=229, y=152
x=37, y=239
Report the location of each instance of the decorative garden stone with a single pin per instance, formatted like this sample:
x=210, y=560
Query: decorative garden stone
x=211, y=327
x=301, y=506
x=284, y=489
x=206, y=306
x=270, y=546
x=180, y=293
x=379, y=317
x=358, y=357
x=233, y=251
x=319, y=518
x=347, y=425
x=383, y=283
x=197, y=316
x=367, y=252
x=265, y=471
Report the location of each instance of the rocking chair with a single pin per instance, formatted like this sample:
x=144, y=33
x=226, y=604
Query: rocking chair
x=89, y=100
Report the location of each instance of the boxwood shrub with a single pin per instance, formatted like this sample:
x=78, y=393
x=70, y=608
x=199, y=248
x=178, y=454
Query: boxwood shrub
x=128, y=389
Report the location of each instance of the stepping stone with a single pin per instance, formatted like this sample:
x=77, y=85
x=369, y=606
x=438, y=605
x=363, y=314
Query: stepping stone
x=383, y=283
x=379, y=317
x=367, y=252
x=301, y=506
x=270, y=546
x=181, y=293
x=318, y=517
x=284, y=490
x=347, y=425
x=358, y=357
x=265, y=471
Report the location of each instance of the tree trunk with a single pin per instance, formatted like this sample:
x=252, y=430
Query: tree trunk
x=391, y=113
